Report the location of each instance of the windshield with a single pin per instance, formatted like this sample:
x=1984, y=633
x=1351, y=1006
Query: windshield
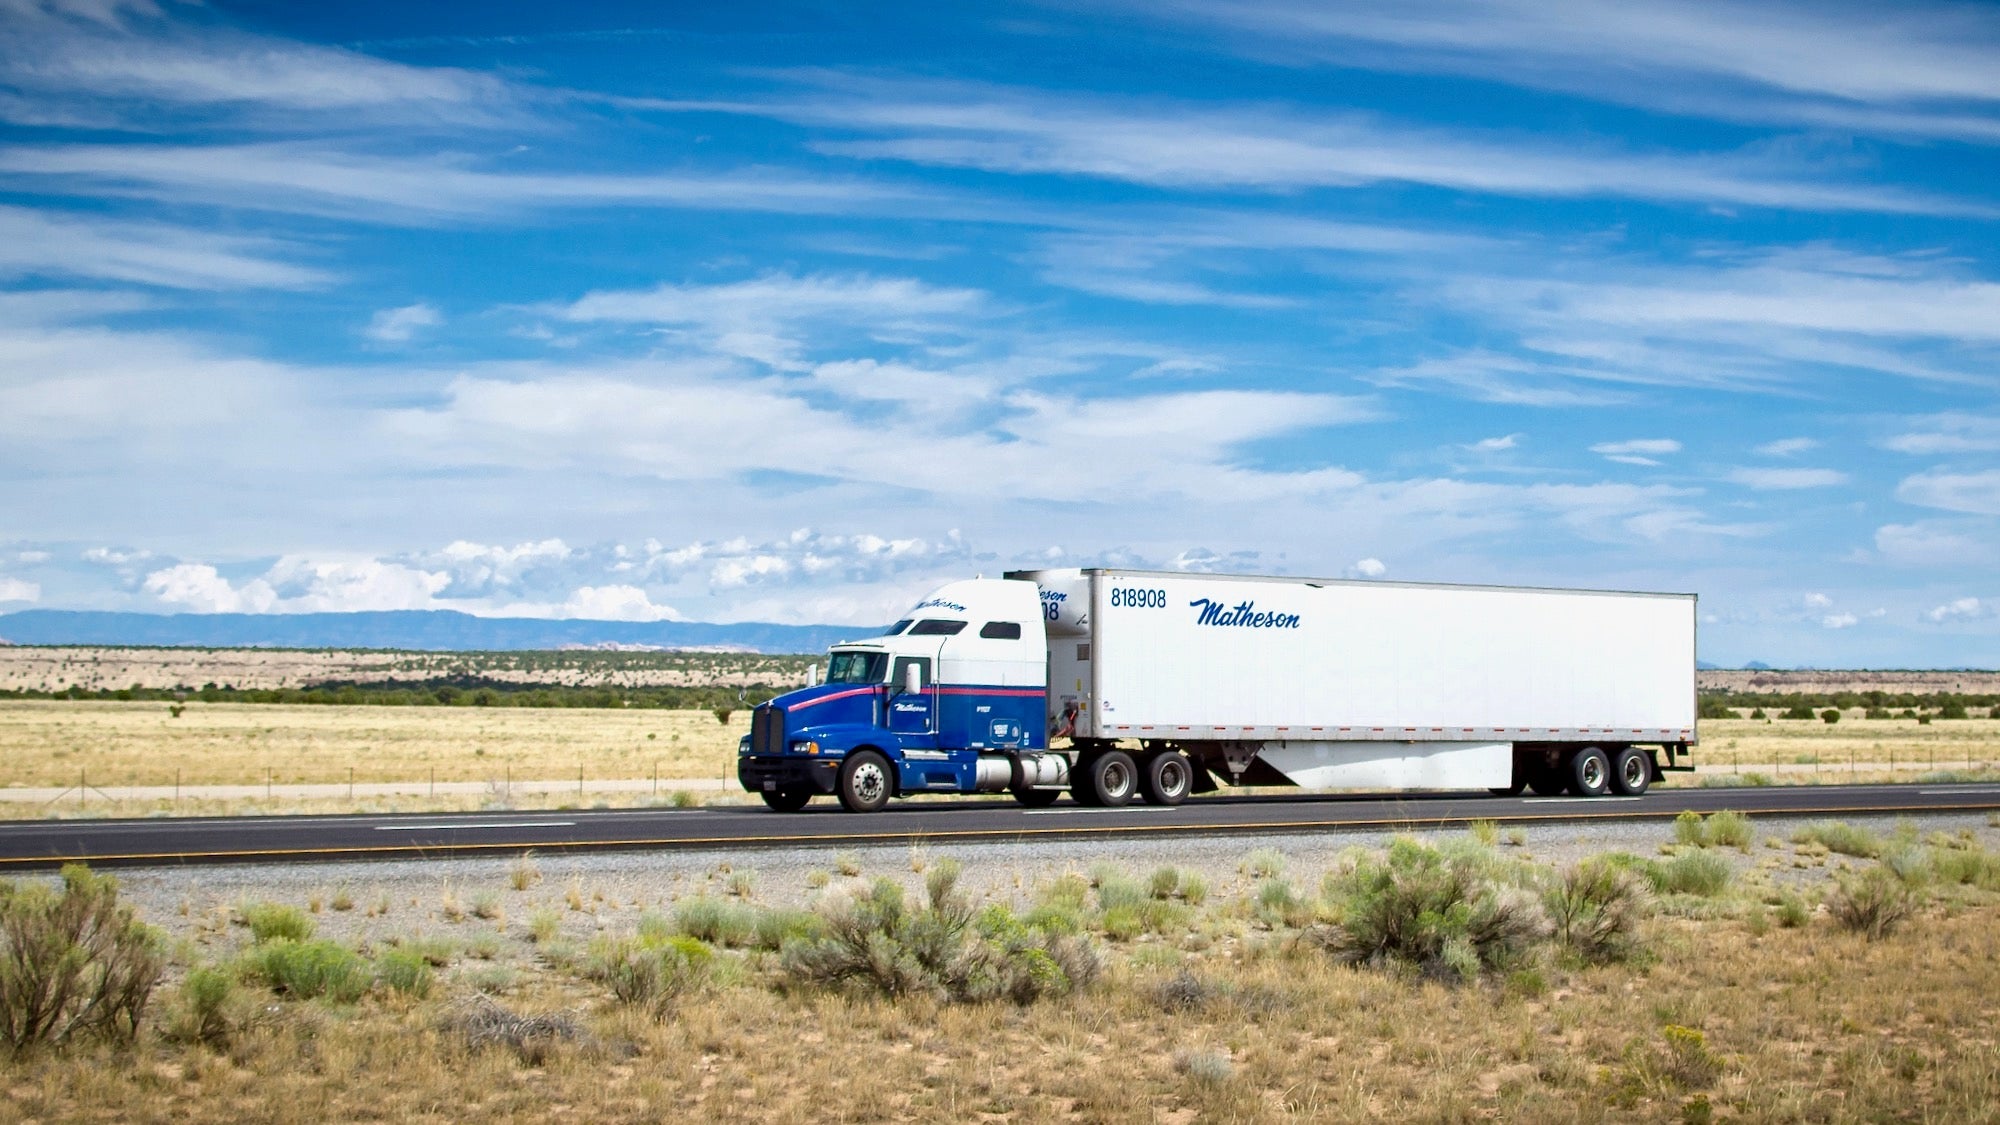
x=896, y=628
x=857, y=667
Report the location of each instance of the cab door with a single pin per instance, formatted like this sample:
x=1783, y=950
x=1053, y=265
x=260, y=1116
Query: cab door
x=912, y=714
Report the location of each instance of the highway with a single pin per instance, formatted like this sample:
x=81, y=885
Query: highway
x=30, y=845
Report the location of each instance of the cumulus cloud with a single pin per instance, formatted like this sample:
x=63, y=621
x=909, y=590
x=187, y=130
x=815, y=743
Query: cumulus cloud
x=1786, y=447
x=1839, y=621
x=1960, y=609
x=295, y=584
x=1786, y=480
x=18, y=590
x=1638, y=451
x=1951, y=432
x=1977, y=493
x=1817, y=601
x=1367, y=568
x=1495, y=444
x=397, y=326
x=616, y=603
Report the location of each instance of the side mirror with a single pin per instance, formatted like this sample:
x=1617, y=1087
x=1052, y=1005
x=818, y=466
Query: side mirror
x=812, y=676
x=913, y=679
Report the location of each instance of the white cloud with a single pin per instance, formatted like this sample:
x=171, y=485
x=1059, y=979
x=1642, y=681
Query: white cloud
x=17, y=590
x=398, y=325
x=1839, y=621
x=1977, y=492
x=1817, y=601
x=1367, y=568
x=1495, y=444
x=112, y=556
x=1780, y=480
x=50, y=244
x=1639, y=451
x=1938, y=543
x=1951, y=432
x=616, y=603
x=1960, y=609
x=1927, y=71
x=1202, y=146
x=1786, y=447
x=295, y=584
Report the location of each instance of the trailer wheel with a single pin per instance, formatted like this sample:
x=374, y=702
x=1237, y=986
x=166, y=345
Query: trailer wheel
x=1036, y=798
x=1167, y=778
x=1112, y=778
x=1589, y=772
x=865, y=784
x=1631, y=771
x=787, y=800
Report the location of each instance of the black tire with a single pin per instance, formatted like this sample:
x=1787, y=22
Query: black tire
x=1512, y=788
x=1546, y=781
x=1589, y=772
x=1631, y=771
x=867, y=781
x=787, y=800
x=1113, y=779
x=1166, y=778
x=1036, y=798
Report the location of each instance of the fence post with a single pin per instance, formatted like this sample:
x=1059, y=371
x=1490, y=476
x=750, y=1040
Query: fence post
x=177, y=789
x=82, y=789
x=350, y=783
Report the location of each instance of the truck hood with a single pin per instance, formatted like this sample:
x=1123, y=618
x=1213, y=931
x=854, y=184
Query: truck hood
x=829, y=704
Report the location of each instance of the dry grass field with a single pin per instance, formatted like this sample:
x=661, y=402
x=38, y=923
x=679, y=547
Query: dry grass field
x=51, y=743
x=1741, y=1000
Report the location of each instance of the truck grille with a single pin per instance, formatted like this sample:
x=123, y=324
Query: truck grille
x=767, y=730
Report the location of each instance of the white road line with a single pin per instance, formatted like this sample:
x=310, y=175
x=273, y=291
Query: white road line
x=1980, y=791
x=462, y=827
x=1126, y=809
x=1573, y=800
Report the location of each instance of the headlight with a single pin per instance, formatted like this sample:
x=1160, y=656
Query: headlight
x=743, y=746
x=805, y=747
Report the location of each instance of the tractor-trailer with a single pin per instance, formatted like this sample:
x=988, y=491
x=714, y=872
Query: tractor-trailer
x=1113, y=685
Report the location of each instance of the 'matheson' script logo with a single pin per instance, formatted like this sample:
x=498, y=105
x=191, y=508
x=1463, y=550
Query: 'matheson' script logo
x=1245, y=613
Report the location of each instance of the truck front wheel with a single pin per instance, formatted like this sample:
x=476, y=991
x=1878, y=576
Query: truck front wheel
x=1112, y=778
x=864, y=781
x=1589, y=772
x=787, y=800
x=1167, y=778
x=1036, y=798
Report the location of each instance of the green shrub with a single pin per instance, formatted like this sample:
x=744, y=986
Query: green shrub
x=268, y=920
x=1727, y=828
x=1792, y=912
x=308, y=969
x=1595, y=909
x=1970, y=866
x=650, y=973
x=74, y=962
x=405, y=971
x=1164, y=883
x=1443, y=914
x=1876, y=713
x=1830, y=715
x=716, y=921
x=1263, y=863
x=1695, y=873
x=877, y=942
x=1799, y=712
x=1953, y=709
x=777, y=926
x=1839, y=836
x=1872, y=903
x=206, y=999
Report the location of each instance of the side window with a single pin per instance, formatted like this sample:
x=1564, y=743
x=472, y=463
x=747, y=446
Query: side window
x=936, y=627
x=923, y=664
x=1001, y=630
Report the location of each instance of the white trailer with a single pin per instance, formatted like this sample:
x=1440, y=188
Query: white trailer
x=1369, y=684
x=1115, y=684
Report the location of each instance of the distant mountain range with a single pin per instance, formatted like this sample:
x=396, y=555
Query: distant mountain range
x=421, y=630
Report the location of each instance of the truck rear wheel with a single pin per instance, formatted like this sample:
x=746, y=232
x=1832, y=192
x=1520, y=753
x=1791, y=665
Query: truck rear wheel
x=865, y=781
x=1631, y=771
x=1546, y=780
x=787, y=800
x=1112, y=779
x=1167, y=777
x=1589, y=772
x=1036, y=798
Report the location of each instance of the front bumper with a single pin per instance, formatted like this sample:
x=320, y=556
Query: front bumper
x=759, y=774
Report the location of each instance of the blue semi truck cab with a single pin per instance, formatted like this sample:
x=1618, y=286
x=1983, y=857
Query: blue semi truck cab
x=953, y=698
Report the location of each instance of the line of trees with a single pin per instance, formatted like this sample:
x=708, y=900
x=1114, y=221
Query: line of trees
x=456, y=691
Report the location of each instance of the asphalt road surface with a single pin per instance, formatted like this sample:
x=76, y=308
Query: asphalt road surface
x=157, y=842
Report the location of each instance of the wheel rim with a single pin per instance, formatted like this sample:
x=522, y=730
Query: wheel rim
x=1117, y=779
x=1593, y=772
x=1634, y=771
x=869, y=784
x=1173, y=778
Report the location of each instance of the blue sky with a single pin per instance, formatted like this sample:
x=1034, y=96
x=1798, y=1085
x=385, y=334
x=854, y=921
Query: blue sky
x=745, y=312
